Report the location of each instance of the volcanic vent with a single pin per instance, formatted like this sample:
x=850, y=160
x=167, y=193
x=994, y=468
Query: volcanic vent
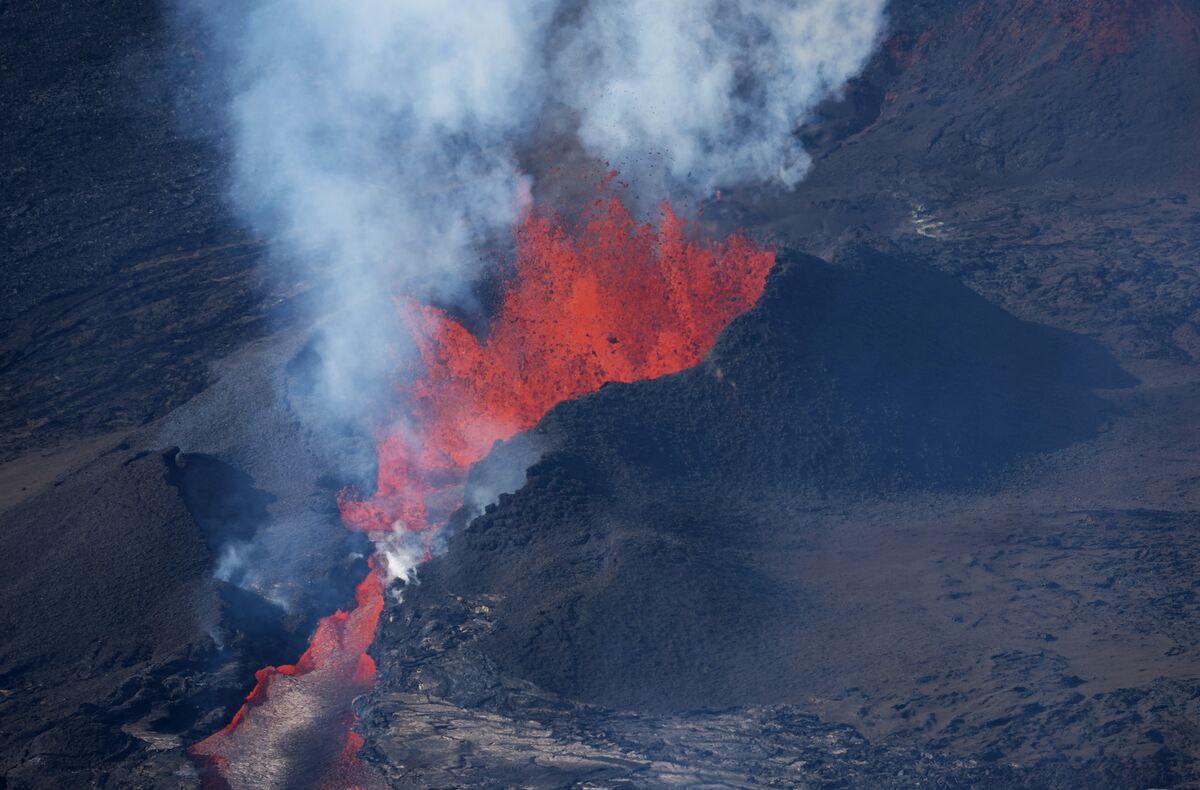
x=602, y=298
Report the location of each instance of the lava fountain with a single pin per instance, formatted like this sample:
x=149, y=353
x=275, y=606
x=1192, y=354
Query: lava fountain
x=600, y=299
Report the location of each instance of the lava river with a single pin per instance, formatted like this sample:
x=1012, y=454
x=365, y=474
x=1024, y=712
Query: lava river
x=600, y=299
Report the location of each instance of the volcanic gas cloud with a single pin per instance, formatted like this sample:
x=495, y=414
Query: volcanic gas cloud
x=601, y=299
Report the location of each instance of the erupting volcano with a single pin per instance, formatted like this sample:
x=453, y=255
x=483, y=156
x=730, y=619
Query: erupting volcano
x=606, y=300
x=600, y=299
x=360, y=429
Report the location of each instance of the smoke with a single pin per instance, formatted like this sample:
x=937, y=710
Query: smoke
x=716, y=88
x=401, y=552
x=373, y=142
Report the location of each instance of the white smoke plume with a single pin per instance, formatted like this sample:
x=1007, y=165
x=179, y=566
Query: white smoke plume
x=373, y=141
x=715, y=88
x=372, y=145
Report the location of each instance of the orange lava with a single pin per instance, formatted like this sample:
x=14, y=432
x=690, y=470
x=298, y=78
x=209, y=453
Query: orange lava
x=608, y=299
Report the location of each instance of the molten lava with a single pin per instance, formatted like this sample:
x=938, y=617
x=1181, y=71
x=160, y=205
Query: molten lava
x=606, y=299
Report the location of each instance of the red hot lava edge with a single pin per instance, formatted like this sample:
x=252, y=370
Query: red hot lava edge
x=605, y=299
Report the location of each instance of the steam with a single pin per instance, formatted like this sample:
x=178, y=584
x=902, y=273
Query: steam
x=716, y=87
x=373, y=142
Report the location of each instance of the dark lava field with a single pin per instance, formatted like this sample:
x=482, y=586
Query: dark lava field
x=928, y=515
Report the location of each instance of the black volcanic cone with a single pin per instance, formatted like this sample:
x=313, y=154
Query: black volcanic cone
x=635, y=570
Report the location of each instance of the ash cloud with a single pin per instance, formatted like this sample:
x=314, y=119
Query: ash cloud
x=373, y=143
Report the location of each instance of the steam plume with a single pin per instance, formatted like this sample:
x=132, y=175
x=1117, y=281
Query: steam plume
x=716, y=87
x=373, y=141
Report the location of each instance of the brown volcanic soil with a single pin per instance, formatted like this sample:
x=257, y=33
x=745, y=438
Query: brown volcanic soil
x=920, y=542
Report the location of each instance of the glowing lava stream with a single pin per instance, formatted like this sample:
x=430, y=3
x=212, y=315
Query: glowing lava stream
x=605, y=300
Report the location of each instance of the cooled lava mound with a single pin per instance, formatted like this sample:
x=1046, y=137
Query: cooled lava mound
x=642, y=533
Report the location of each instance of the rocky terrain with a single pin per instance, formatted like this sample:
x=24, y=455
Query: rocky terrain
x=958, y=575
x=924, y=517
x=981, y=616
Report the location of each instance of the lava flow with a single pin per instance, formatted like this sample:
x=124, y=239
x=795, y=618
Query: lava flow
x=606, y=299
x=283, y=729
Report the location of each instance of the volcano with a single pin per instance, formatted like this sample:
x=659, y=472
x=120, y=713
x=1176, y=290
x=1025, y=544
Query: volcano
x=885, y=480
